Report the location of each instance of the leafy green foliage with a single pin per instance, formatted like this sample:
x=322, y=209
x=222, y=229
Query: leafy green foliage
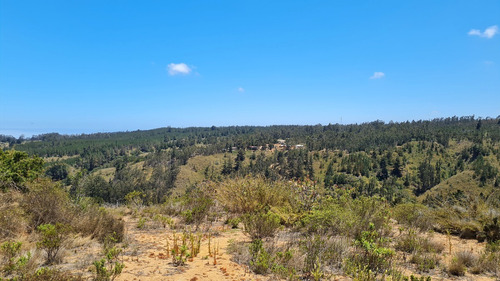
x=199, y=204
x=17, y=168
x=13, y=261
x=346, y=216
x=373, y=254
x=109, y=267
x=52, y=237
x=57, y=171
x=261, y=225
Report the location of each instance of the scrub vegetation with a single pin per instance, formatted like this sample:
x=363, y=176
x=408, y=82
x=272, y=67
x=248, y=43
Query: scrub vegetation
x=399, y=201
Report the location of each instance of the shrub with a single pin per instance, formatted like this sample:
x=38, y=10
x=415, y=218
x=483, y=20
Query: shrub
x=424, y=261
x=199, y=205
x=261, y=260
x=47, y=203
x=97, y=222
x=51, y=274
x=413, y=215
x=163, y=220
x=346, y=216
x=141, y=223
x=12, y=261
x=12, y=217
x=430, y=245
x=135, y=199
x=17, y=169
x=110, y=267
x=489, y=260
x=261, y=225
x=251, y=195
x=239, y=251
x=323, y=254
x=456, y=267
x=371, y=251
x=492, y=230
x=52, y=237
x=408, y=242
x=466, y=258
x=233, y=222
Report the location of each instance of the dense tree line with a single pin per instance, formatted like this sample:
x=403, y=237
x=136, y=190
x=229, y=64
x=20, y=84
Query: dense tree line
x=373, y=158
x=354, y=137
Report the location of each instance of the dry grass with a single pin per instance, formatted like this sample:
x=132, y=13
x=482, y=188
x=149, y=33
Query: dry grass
x=106, y=173
x=467, y=258
x=455, y=267
x=12, y=220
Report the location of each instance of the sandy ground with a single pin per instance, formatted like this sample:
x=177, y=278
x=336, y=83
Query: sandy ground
x=146, y=258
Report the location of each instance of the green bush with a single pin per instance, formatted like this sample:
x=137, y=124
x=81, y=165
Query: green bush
x=413, y=215
x=141, y=223
x=233, y=222
x=50, y=274
x=110, y=267
x=13, y=262
x=17, y=168
x=261, y=260
x=346, y=216
x=52, y=237
x=371, y=251
x=199, y=205
x=261, y=225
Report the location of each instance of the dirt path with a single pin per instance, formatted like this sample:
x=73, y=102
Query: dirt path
x=146, y=258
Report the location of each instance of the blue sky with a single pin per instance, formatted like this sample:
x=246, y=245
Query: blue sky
x=89, y=66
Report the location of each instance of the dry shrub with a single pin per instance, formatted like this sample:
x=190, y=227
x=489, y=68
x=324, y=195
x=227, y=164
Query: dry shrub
x=251, y=195
x=12, y=220
x=425, y=261
x=456, y=267
x=411, y=242
x=330, y=252
x=413, y=215
x=99, y=223
x=489, y=261
x=467, y=258
x=46, y=203
x=432, y=246
x=239, y=252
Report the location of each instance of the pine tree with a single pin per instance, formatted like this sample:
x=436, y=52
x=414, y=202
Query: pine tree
x=329, y=175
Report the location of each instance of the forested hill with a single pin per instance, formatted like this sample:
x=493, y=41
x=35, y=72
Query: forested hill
x=356, y=137
x=444, y=163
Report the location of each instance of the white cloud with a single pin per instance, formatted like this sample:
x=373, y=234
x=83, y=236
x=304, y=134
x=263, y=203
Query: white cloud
x=475, y=32
x=241, y=90
x=377, y=75
x=487, y=33
x=178, y=68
